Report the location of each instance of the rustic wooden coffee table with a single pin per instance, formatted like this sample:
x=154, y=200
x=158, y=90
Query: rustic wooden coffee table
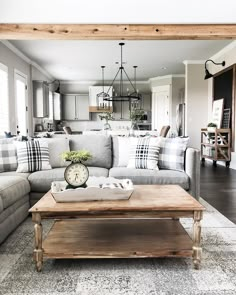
x=146, y=225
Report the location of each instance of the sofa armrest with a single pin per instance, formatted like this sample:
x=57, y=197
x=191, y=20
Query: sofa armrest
x=192, y=168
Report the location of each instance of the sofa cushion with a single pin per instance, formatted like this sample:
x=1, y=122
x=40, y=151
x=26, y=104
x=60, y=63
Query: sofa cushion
x=8, y=160
x=120, y=147
x=56, y=147
x=143, y=153
x=145, y=176
x=14, y=173
x=32, y=156
x=98, y=145
x=40, y=181
x=172, y=152
x=12, y=188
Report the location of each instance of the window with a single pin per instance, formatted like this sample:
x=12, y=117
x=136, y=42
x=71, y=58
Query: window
x=4, y=103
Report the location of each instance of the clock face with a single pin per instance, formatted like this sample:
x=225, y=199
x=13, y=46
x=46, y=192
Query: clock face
x=76, y=174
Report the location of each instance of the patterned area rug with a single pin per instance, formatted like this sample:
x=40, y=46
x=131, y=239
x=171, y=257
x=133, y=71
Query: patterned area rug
x=163, y=276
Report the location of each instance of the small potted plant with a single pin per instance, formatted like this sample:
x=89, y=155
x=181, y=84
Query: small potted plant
x=135, y=116
x=76, y=174
x=76, y=156
x=211, y=127
x=107, y=117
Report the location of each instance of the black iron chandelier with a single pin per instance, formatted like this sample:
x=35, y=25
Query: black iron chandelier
x=121, y=95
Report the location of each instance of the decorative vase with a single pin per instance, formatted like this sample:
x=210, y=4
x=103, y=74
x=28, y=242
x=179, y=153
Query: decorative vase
x=134, y=127
x=106, y=127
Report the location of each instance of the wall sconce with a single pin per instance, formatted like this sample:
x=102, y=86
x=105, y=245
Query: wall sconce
x=208, y=75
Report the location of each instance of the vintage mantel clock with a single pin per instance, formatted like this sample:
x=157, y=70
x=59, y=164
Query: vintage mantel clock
x=76, y=174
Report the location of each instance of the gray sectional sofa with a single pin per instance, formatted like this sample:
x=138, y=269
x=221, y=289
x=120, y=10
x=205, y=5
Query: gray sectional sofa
x=19, y=191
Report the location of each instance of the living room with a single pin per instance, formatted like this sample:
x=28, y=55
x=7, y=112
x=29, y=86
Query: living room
x=155, y=222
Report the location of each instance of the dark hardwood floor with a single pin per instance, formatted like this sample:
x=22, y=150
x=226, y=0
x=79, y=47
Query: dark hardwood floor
x=218, y=188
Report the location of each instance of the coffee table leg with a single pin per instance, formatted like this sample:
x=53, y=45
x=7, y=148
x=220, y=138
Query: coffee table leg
x=197, y=250
x=38, y=250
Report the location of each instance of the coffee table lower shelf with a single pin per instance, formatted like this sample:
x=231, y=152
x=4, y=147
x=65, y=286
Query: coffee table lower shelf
x=117, y=238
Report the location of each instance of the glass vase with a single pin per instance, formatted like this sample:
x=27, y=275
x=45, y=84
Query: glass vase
x=134, y=127
x=106, y=127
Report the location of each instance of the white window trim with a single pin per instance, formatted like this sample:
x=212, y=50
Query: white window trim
x=4, y=68
x=23, y=75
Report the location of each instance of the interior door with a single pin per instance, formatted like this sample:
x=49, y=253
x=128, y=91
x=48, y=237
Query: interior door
x=160, y=107
x=21, y=103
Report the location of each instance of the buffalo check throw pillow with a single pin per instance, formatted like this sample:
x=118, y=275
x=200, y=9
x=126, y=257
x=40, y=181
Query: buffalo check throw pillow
x=32, y=156
x=171, y=154
x=144, y=153
x=8, y=160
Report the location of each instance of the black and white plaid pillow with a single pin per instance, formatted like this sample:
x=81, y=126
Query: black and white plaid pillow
x=171, y=154
x=8, y=160
x=32, y=156
x=143, y=153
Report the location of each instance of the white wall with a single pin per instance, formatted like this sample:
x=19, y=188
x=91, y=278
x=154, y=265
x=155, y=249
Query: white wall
x=196, y=99
x=122, y=11
x=83, y=87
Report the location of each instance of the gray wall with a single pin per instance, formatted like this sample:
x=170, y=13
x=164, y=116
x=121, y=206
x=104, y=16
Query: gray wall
x=196, y=98
x=13, y=61
x=178, y=85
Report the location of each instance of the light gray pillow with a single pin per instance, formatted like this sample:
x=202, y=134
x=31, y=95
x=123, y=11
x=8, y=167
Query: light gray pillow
x=98, y=145
x=56, y=147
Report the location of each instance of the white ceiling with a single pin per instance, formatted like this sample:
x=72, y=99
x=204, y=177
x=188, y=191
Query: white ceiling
x=82, y=60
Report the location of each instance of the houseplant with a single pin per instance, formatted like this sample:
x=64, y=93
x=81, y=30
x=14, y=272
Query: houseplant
x=135, y=116
x=76, y=156
x=107, y=117
x=211, y=127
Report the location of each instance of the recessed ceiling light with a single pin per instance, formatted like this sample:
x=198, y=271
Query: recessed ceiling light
x=164, y=68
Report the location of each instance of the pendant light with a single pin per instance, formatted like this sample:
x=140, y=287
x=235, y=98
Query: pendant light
x=121, y=73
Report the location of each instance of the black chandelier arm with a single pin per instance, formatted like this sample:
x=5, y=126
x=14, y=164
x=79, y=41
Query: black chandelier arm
x=135, y=90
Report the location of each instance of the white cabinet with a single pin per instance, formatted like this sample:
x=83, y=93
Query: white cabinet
x=57, y=108
x=40, y=99
x=75, y=107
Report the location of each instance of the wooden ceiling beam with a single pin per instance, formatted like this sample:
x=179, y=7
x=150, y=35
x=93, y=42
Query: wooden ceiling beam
x=117, y=32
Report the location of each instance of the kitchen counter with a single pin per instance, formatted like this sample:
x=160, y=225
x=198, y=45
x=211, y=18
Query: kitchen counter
x=122, y=132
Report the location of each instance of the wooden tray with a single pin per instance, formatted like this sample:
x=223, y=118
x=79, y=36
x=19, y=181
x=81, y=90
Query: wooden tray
x=93, y=192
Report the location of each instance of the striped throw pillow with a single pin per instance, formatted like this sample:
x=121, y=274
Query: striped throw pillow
x=144, y=153
x=172, y=152
x=32, y=156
